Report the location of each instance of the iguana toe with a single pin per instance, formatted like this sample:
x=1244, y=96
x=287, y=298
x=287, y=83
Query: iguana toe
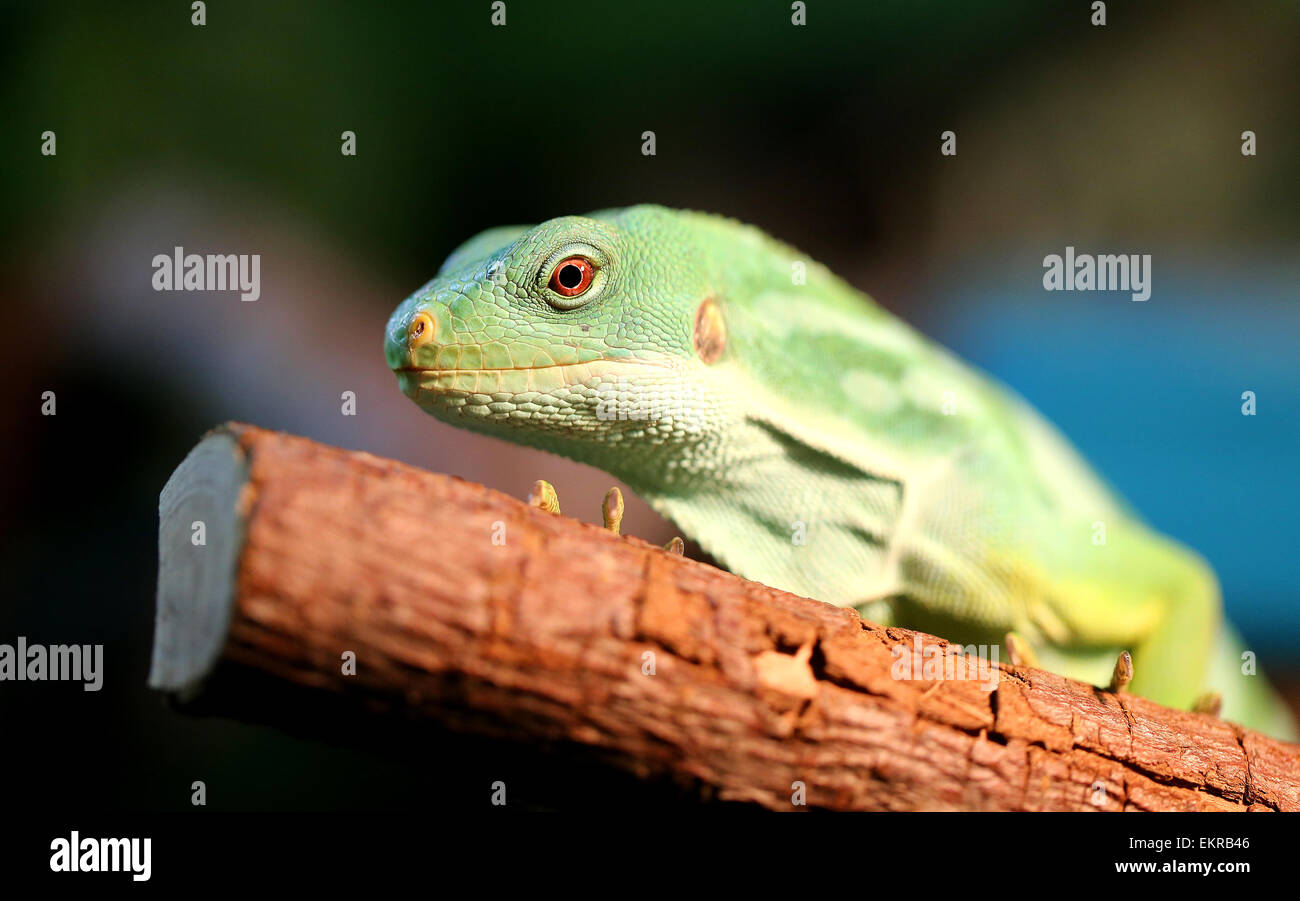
x=1123, y=672
x=611, y=510
x=543, y=497
x=1019, y=651
x=1211, y=702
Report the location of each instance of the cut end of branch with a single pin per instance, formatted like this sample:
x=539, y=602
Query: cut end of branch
x=200, y=532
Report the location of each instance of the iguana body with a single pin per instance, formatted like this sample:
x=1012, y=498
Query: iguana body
x=809, y=440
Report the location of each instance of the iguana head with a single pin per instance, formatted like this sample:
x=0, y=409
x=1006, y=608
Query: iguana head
x=591, y=336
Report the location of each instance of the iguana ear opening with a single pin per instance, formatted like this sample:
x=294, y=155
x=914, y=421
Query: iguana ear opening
x=710, y=335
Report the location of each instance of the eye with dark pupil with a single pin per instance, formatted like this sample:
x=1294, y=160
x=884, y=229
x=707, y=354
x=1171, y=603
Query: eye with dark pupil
x=572, y=277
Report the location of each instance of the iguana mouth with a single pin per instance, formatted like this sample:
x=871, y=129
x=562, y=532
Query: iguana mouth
x=589, y=363
x=514, y=379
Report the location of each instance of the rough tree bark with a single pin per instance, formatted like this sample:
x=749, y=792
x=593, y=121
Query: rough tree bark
x=548, y=633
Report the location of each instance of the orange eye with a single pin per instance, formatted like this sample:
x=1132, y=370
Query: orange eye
x=572, y=276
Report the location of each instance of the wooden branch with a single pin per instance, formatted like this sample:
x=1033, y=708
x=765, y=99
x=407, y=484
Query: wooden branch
x=471, y=609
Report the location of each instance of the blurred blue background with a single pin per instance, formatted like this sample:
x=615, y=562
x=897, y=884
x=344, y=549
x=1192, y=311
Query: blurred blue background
x=225, y=139
x=1151, y=393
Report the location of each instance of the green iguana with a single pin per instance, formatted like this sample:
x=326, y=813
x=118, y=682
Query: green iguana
x=808, y=439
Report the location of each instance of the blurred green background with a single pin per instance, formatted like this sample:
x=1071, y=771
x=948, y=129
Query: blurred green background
x=225, y=138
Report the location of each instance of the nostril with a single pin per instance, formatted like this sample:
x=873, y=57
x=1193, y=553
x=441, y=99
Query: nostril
x=421, y=330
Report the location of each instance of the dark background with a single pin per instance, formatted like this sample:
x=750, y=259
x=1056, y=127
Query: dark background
x=225, y=139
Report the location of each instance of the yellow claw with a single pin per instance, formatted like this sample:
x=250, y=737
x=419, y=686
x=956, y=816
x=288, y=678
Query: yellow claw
x=612, y=510
x=1211, y=702
x=1019, y=652
x=1123, y=672
x=543, y=497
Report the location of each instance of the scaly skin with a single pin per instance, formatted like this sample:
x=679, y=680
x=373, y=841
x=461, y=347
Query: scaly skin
x=809, y=440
